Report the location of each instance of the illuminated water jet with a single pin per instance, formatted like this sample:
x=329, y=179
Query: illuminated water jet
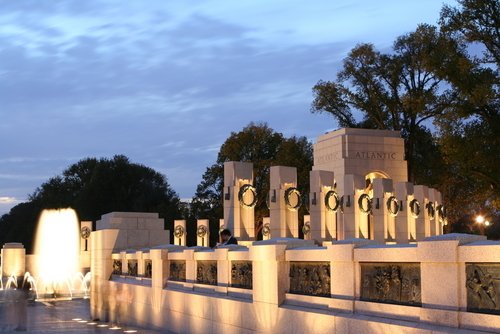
x=57, y=248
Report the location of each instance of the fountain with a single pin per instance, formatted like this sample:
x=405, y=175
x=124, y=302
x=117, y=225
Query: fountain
x=11, y=282
x=57, y=251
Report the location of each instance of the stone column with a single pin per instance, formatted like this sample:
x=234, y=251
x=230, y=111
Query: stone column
x=284, y=220
x=238, y=218
x=323, y=220
x=404, y=228
x=351, y=214
x=422, y=224
x=270, y=273
x=440, y=274
x=13, y=259
x=180, y=232
x=437, y=218
x=306, y=229
x=202, y=233
x=383, y=221
x=433, y=198
x=223, y=270
x=266, y=228
x=343, y=273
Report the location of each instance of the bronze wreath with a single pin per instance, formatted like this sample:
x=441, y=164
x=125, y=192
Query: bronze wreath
x=414, y=208
x=392, y=206
x=201, y=231
x=178, y=231
x=328, y=195
x=306, y=228
x=241, y=194
x=266, y=230
x=288, y=193
x=441, y=212
x=361, y=207
x=430, y=210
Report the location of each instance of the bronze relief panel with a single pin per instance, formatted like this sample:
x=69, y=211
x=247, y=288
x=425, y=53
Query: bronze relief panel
x=206, y=272
x=241, y=274
x=483, y=287
x=395, y=283
x=310, y=278
x=177, y=270
x=117, y=267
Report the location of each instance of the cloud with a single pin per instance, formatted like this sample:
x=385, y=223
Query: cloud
x=8, y=200
x=164, y=84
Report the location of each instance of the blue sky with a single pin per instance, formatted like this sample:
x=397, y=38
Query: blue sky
x=165, y=82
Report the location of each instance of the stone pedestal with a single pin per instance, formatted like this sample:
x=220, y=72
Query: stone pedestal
x=352, y=224
x=180, y=232
x=405, y=223
x=306, y=228
x=202, y=233
x=383, y=222
x=13, y=259
x=422, y=223
x=440, y=277
x=239, y=199
x=284, y=218
x=85, y=235
x=324, y=203
x=266, y=228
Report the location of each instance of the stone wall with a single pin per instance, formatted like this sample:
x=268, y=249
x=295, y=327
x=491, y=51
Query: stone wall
x=289, y=286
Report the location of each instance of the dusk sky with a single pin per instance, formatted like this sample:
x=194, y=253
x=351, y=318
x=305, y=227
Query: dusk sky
x=165, y=82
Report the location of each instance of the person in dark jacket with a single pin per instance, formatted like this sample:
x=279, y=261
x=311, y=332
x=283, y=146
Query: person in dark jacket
x=227, y=238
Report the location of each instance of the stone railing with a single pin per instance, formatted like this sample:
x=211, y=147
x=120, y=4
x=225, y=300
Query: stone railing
x=450, y=280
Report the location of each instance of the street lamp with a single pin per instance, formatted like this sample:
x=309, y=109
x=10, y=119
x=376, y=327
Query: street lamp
x=480, y=219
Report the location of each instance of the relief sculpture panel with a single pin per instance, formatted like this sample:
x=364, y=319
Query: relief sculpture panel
x=395, y=283
x=241, y=274
x=310, y=278
x=483, y=287
x=177, y=270
x=206, y=272
x=132, y=267
x=117, y=267
x=148, y=268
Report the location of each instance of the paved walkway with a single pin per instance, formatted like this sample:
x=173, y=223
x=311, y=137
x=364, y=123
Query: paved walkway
x=55, y=317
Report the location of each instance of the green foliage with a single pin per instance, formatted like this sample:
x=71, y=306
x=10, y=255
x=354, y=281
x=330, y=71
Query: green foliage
x=261, y=145
x=94, y=187
x=475, y=21
x=398, y=91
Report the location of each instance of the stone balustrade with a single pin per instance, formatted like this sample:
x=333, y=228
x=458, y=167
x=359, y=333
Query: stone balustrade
x=442, y=283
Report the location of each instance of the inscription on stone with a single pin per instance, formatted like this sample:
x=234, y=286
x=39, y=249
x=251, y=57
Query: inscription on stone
x=206, y=272
x=310, y=278
x=326, y=158
x=148, y=268
x=132, y=267
x=395, y=283
x=483, y=287
x=117, y=267
x=241, y=274
x=375, y=155
x=177, y=270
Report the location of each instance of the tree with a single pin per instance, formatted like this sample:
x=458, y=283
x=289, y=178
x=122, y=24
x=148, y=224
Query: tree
x=477, y=21
x=261, y=145
x=399, y=91
x=469, y=138
x=94, y=187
